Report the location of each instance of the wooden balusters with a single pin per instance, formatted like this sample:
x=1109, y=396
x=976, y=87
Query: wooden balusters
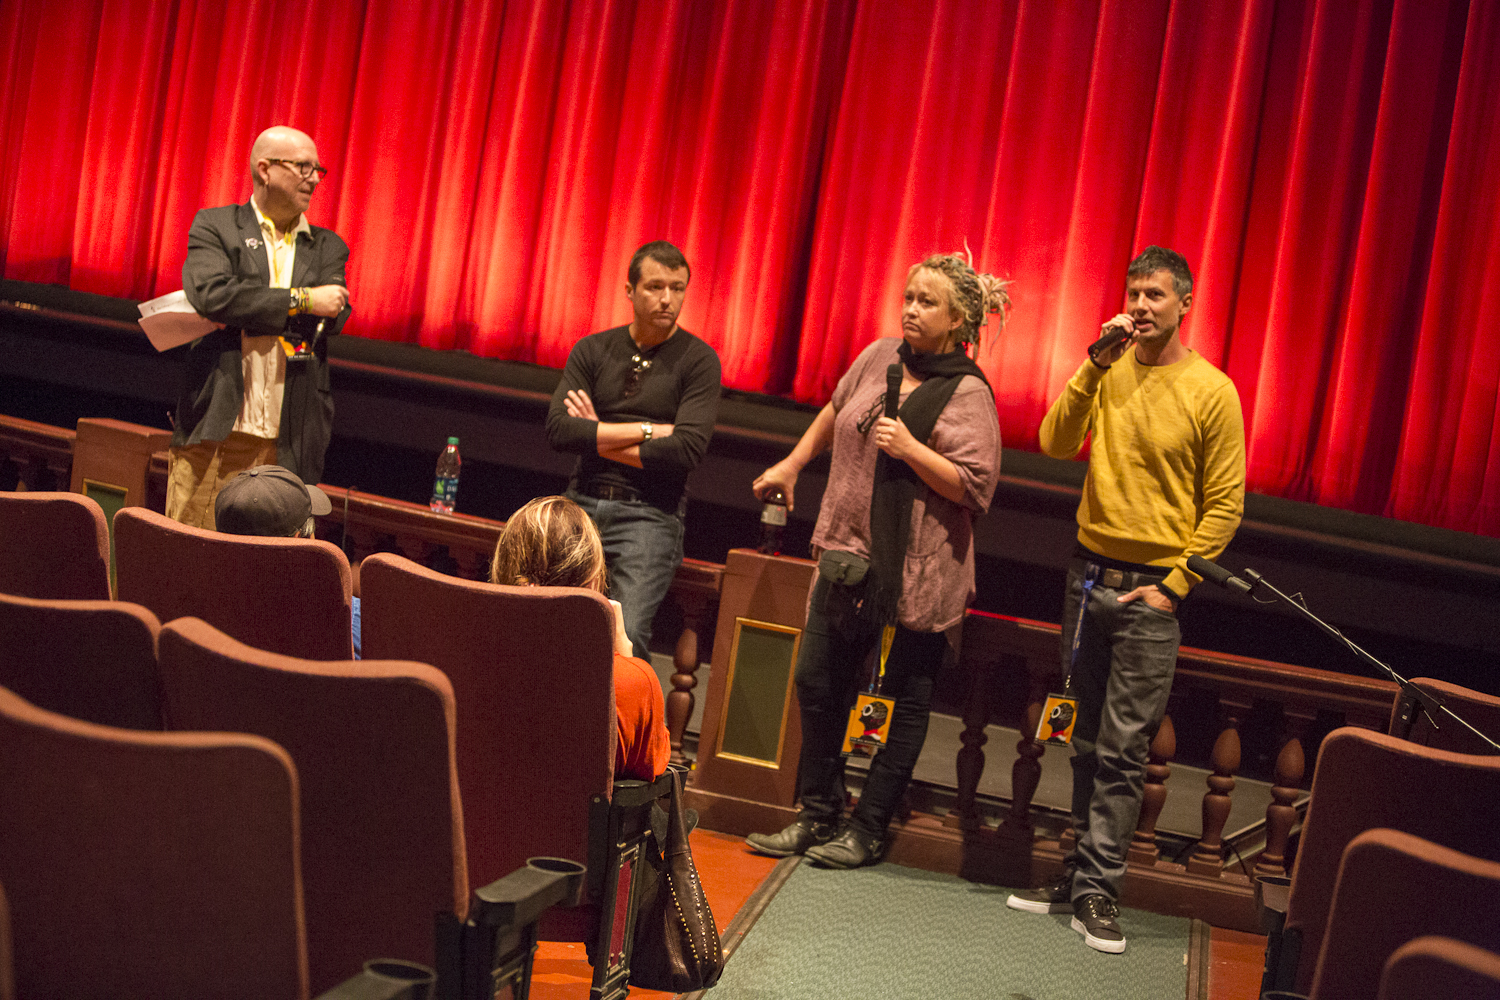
x=970, y=762
x=472, y=563
x=1026, y=772
x=1208, y=857
x=1290, y=765
x=1143, y=849
x=685, y=658
x=41, y=454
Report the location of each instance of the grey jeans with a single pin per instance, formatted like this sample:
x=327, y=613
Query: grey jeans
x=1121, y=676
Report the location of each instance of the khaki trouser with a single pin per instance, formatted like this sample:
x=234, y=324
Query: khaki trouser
x=197, y=473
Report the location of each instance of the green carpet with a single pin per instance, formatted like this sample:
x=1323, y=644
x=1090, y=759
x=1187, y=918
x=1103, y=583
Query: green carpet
x=889, y=931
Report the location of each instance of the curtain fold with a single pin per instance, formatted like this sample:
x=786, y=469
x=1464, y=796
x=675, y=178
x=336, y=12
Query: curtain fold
x=1330, y=170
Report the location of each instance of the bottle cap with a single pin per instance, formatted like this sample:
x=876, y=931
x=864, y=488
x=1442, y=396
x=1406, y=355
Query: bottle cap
x=453, y=440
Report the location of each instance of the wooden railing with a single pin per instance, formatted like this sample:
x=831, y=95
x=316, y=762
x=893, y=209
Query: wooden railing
x=38, y=456
x=1019, y=653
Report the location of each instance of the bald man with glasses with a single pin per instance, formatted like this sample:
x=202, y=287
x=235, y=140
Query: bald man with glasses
x=256, y=392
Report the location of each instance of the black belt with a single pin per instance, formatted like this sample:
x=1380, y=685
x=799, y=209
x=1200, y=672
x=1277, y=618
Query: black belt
x=1123, y=579
x=608, y=491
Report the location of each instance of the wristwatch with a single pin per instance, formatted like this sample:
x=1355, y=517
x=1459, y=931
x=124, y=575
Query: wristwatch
x=645, y=431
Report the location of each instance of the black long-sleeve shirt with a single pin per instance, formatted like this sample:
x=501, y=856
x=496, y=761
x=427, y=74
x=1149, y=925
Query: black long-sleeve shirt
x=680, y=388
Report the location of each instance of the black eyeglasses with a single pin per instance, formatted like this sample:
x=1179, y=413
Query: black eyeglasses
x=871, y=415
x=638, y=366
x=304, y=167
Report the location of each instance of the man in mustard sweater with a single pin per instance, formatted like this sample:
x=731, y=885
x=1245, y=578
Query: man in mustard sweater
x=1166, y=480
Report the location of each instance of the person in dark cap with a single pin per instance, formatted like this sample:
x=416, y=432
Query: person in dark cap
x=270, y=501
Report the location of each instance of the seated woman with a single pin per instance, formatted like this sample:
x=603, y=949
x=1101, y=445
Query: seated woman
x=551, y=542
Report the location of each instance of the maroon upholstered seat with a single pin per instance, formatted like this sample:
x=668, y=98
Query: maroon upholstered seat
x=533, y=673
x=284, y=595
x=53, y=545
x=92, y=660
x=148, y=864
x=1366, y=780
x=1393, y=888
x=373, y=742
x=1440, y=967
x=1482, y=711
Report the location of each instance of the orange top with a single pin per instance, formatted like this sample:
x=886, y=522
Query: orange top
x=642, y=747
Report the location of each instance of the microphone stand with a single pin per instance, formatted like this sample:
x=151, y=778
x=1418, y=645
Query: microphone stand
x=1412, y=698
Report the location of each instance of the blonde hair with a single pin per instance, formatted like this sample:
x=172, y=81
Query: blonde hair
x=971, y=295
x=550, y=542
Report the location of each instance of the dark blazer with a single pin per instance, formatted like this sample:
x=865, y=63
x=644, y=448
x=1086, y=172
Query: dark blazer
x=227, y=278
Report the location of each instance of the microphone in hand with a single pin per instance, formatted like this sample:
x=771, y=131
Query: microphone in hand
x=1112, y=336
x=892, y=390
x=1218, y=574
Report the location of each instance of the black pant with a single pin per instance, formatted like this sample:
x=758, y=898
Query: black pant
x=829, y=677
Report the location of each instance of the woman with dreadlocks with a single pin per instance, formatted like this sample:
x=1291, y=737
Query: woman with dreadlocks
x=894, y=546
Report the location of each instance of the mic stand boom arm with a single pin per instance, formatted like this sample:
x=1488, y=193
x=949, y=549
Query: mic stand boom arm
x=1411, y=699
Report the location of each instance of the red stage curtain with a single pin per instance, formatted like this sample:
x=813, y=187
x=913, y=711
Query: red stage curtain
x=1331, y=169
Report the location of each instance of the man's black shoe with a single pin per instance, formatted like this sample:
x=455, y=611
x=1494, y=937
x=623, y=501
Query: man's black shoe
x=795, y=839
x=1094, y=917
x=849, y=849
x=1054, y=898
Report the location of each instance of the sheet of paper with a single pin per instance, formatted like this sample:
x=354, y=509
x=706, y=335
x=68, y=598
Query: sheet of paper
x=170, y=320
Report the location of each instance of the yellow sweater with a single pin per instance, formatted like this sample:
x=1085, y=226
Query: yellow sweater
x=1166, y=475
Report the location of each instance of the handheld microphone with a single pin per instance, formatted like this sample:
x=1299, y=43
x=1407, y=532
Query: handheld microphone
x=1113, y=336
x=1218, y=574
x=893, y=390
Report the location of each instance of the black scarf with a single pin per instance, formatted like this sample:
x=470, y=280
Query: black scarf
x=896, y=482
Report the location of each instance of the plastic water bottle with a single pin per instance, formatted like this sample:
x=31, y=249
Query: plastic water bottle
x=772, y=521
x=445, y=486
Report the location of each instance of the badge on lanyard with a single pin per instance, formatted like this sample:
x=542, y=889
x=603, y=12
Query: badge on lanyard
x=1060, y=711
x=295, y=351
x=1059, y=716
x=870, y=718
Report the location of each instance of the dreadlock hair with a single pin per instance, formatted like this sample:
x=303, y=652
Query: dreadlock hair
x=550, y=542
x=972, y=295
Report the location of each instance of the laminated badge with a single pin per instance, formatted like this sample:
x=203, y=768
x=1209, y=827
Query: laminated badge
x=1059, y=716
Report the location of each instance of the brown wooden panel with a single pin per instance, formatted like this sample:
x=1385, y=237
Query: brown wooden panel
x=769, y=594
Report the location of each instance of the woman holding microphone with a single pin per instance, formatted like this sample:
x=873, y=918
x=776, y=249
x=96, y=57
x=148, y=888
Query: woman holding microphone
x=894, y=546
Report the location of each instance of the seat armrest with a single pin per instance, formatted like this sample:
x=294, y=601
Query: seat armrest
x=385, y=979
x=630, y=794
x=523, y=895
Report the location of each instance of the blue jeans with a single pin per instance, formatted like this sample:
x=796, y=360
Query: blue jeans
x=643, y=548
x=829, y=675
x=1122, y=676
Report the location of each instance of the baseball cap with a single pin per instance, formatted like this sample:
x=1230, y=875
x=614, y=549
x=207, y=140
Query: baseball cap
x=267, y=500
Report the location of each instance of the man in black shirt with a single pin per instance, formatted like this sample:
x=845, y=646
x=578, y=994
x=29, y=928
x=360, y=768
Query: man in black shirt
x=637, y=405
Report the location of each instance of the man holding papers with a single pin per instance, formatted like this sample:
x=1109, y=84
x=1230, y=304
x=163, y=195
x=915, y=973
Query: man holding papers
x=256, y=392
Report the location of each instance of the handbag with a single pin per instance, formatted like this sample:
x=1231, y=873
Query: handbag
x=677, y=946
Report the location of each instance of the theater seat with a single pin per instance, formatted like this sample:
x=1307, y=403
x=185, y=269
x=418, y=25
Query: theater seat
x=533, y=673
x=1482, y=711
x=1364, y=781
x=53, y=545
x=284, y=595
x=92, y=660
x=148, y=864
x=1440, y=967
x=373, y=743
x=1393, y=888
